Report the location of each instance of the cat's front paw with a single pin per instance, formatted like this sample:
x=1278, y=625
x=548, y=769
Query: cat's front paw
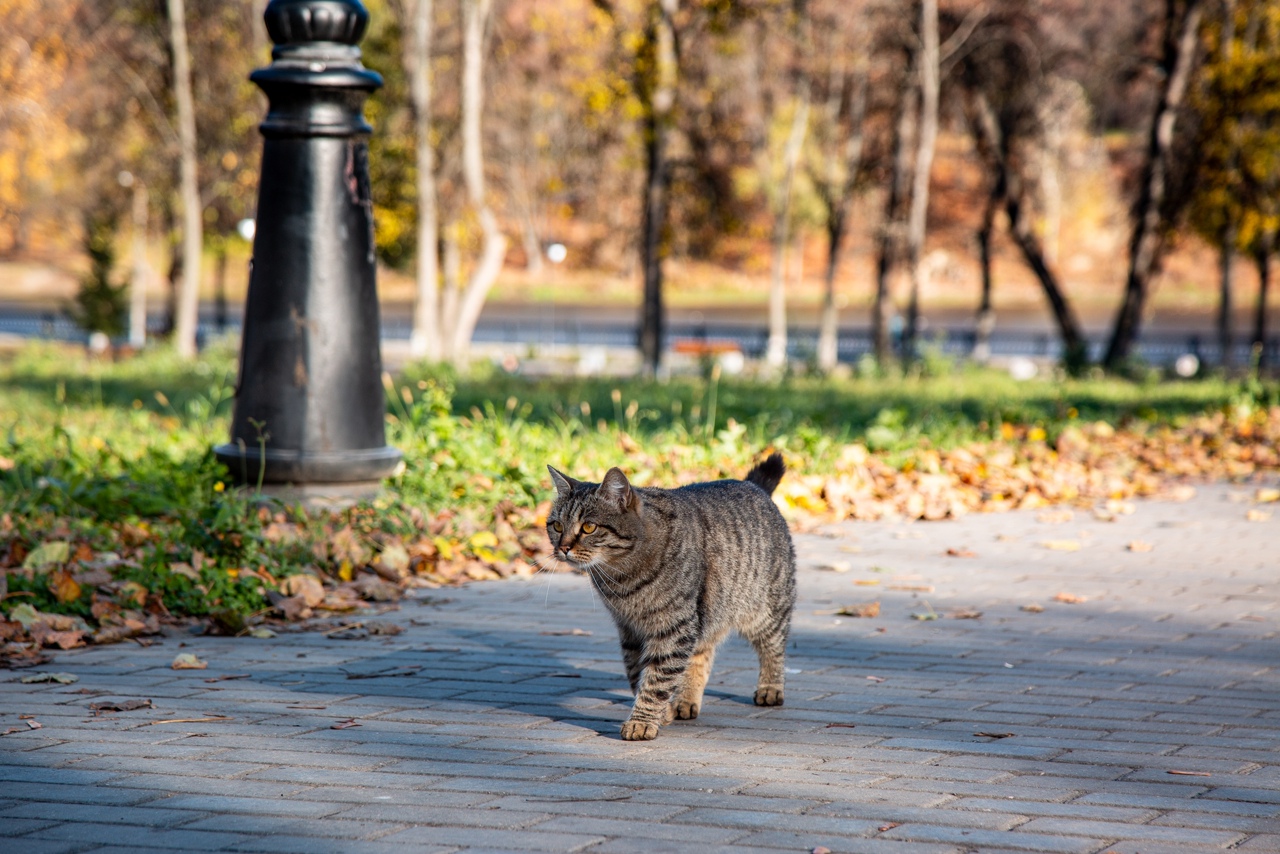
x=686, y=711
x=769, y=696
x=639, y=730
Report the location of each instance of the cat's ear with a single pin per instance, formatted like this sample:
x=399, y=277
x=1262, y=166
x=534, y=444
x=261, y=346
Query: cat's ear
x=616, y=488
x=564, y=484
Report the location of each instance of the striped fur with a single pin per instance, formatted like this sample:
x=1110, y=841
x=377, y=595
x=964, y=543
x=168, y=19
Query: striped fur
x=678, y=570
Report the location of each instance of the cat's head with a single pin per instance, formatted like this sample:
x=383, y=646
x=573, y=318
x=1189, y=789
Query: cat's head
x=594, y=524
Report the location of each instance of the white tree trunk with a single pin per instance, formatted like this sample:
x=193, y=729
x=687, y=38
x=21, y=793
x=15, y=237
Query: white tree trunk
x=425, y=339
x=930, y=84
x=776, y=347
x=475, y=19
x=138, y=279
x=189, y=190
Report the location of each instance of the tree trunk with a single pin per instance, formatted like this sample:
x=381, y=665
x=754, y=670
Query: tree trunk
x=451, y=268
x=930, y=83
x=985, y=322
x=192, y=213
x=1075, y=348
x=1146, y=245
x=661, y=86
x=889, y=239
x=776, y=349
x=138, y=279
x=494, y=248
x=1226, y=261
x=776, y=346
x=220, y=287
x=1008, y=186
x=425, y=339
x=1262, y=257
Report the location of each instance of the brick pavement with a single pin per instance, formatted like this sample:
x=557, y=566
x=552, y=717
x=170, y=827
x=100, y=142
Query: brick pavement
x=1144, y=719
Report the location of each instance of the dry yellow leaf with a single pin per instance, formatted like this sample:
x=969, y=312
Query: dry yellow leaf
x=1033, y=608
x=1257, y=515
x=1063, y=545
x=187, y=661
x=868, y=609
x=1267, y=496
x=1070, y=598
x=306, y=586
x=1140, y=546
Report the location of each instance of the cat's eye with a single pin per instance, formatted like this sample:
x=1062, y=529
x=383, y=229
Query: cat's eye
x=588, y=528
x=558, y=527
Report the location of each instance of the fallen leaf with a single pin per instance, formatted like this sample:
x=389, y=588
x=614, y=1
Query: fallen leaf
x=119, y=706
x=570, y=632
x=964, y=614
x=1182, y=493
x=1033, y=608
x=875, y=678
x=60, y=678
x=228, y=677
x=387, y=629
x=1070, y=598
x=63, y=586
x=43, y=635
x=1139, y=546
x=261, y=632
x=994, y=734
x=836, y=566
x=889, y=825
x=930, y=614
x=821, y=849
x=1267, y=496
x=866, y=582
x=1063, y=545
x=308, y=587
x=187, y=661
x=47, y=554
x=961, y=553
x=31, y=724
x=868, y=609
x=1257, y=515
x=919, y=588
x=1190, y=773
x=345, y=724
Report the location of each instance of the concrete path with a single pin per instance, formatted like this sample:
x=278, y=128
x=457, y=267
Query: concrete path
x=1144, y=718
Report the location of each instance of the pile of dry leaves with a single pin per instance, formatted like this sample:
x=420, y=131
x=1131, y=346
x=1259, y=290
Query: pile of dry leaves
x=1088, y=463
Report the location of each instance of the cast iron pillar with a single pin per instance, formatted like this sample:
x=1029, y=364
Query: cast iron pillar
x=309, y=408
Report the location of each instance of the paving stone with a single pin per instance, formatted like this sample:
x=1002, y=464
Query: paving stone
x=973, y=838
x=479, y=838
x=1118, y=830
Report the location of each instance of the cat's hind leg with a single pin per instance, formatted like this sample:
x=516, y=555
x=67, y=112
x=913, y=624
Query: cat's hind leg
x=769, y=638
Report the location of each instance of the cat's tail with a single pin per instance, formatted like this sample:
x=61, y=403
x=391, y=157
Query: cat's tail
x=767, y=474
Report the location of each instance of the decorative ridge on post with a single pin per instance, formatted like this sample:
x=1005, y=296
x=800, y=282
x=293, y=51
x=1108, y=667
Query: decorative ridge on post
x=310, y=411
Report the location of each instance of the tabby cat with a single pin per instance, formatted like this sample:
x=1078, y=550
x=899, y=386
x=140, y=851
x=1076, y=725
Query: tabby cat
x=678, y=569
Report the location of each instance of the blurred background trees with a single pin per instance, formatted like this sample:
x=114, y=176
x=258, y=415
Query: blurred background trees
x=877, y=146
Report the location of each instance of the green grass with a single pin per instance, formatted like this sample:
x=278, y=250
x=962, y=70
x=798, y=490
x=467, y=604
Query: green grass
x=116, y=457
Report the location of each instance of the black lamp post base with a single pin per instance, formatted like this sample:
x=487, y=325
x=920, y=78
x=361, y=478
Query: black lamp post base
x=276, y=466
